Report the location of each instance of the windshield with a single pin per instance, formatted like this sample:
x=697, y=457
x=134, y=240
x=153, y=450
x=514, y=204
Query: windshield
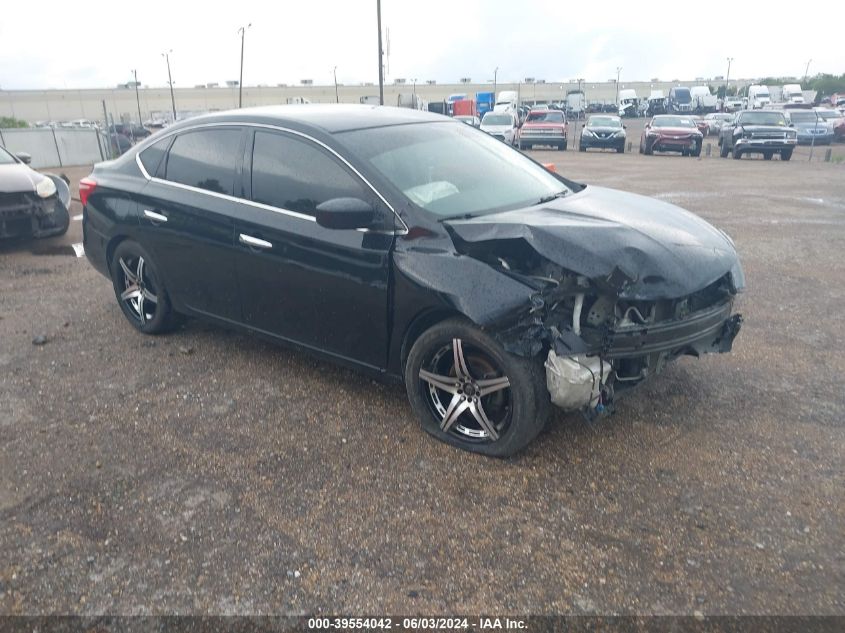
x=452, y=170
x=672, y=121
x=805, y=117
x=827, y=115
x=682, y=95
x=546, y=116
x=604, y=121
x=6, y=158
x=762, y=118
x=497, y=119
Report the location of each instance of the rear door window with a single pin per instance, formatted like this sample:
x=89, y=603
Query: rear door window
x=206, y=159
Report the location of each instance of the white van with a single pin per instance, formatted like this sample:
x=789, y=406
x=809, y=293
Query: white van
x=702, y=100
x=791, y=93
x=758, y=97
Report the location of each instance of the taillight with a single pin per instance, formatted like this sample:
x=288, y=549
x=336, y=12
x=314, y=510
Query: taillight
x=86, y=188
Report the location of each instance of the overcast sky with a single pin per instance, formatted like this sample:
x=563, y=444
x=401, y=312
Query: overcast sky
x=93, y=44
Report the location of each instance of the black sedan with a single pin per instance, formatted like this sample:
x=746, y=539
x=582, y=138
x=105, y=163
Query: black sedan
x=603, y=132
x=31, y=204
x=417, y=249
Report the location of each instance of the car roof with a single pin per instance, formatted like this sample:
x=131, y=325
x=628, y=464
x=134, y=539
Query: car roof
x=331, y=118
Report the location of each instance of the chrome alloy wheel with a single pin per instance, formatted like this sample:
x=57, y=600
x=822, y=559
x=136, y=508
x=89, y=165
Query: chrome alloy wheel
x=139, y=293
x=467, y=393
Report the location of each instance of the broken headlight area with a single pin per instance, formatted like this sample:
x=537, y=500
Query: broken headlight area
x=26, y=213
x=596, y=343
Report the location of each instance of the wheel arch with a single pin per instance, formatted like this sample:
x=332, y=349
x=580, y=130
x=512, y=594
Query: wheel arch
x=423, y=321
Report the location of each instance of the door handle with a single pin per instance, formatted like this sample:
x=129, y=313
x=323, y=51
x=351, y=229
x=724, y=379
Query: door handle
x=254, y=242
x=155, y=217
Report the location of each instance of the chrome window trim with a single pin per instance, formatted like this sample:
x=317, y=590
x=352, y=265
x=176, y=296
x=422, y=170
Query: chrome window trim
x=267, y=207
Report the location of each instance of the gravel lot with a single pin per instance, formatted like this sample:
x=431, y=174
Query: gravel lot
x=209, y=472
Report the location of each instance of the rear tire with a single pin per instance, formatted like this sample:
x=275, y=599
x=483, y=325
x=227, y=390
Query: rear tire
x=723, y=149
x=140, y=291
x=737, y=154
x=516, y=408
x=620, y=149
x=767, y=156
x=582, y=147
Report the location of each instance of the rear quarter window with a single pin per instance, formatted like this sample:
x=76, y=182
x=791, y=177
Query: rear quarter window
x=151, y=158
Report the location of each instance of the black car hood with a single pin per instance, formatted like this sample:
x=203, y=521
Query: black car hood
x=649, y=249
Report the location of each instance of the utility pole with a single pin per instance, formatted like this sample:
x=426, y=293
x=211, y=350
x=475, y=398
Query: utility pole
x=336, y=95
x=242, y=31
x=728, y=76
x=807, y=70
x=618, y=70
x=138, y=98
x=495, y=78
x=380, y=59
x=166, y=56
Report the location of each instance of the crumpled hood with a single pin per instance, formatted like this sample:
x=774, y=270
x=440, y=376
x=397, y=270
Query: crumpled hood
x=18, y=178
x=665, y=251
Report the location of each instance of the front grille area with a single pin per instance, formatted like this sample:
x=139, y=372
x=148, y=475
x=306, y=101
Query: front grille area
x=17, y=204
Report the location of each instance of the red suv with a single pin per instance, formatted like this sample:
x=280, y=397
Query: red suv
x=543, y=127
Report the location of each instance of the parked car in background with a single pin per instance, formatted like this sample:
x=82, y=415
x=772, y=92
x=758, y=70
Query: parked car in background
x=474, y=121
x=487, y=285
x=544, y=127
x=32, y=204
x=714, y=121
x=603, y=131
x=836, y=118
x=656, y=103
x=500, y=125
x=733, y=104
x=764, y=132
x=701, y=124
x=671, y=133
x=131, y=130
x=679, y=101
x=812, y=128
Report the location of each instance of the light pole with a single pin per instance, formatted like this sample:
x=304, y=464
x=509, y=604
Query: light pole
x=618, y=70
x=380, y=66
x=495, y=78
x=336, y=96
x=807, y=70
x=728, y=77
x=166, y=56
x=242, y=32
x=137, y=98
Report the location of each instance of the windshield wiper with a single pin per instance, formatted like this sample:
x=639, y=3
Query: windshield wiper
x=460, y=216
x=559, y=194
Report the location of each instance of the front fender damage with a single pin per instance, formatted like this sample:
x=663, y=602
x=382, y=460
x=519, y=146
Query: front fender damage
x=594, y=340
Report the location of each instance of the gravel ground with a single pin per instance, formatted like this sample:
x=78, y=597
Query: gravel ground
x=209, y=472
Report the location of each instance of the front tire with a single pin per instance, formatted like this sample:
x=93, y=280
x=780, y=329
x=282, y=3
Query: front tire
x=723, y=149
x=786, y=154
x=139, y=289
x=467, y=391
x=737, y=154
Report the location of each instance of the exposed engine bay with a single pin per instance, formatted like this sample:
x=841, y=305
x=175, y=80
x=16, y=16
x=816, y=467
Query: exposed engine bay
x=598, y=342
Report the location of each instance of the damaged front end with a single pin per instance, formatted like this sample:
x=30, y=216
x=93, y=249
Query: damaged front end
x=605, y=333
x=27, y=214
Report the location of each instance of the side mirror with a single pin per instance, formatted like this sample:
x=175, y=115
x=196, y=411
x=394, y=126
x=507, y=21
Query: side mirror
x=345, y=213
x=24, y=157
